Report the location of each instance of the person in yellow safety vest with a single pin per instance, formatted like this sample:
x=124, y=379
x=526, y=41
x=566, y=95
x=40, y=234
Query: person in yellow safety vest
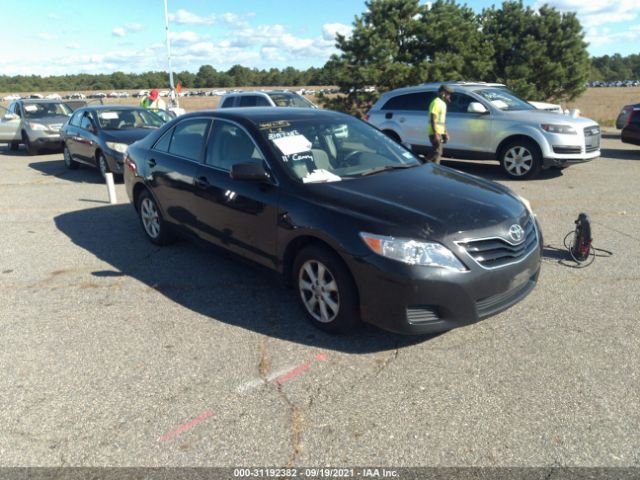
x=153, y=101
x=436, y=129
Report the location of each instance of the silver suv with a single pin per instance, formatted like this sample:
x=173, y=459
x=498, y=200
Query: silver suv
x=270, y=98
x=34, y=123
x=486, y=122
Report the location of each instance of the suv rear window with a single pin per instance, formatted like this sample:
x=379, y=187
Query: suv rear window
x=410, y=101
x=253, y=101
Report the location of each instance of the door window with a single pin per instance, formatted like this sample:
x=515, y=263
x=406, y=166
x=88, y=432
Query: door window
x=86, y=122
x=459, y=103
x=228, y=145
x=228, y=102
x=188, y=138
x=75, y=119
x=418, y=101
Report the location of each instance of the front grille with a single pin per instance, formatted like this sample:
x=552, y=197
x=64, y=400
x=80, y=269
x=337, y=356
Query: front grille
x=422, y=314
x=591, y=139
x=497, y=252
x=566, y=150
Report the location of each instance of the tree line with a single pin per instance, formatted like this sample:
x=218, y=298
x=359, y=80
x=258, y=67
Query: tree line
x=540, y=54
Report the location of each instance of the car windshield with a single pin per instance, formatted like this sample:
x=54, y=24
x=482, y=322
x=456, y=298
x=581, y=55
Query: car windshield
x=330, y=150
x=42, y=110
x=126, y=119
x=504, y=99
x=290, y=100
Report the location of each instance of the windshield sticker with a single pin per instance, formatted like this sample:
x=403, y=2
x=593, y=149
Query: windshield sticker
x=407, y=155
x=320, y=176
x=291, y=144
x=109, y=115
x=274, y=125
x=31, y=108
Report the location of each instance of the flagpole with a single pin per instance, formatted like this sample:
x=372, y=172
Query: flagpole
x=166, y=22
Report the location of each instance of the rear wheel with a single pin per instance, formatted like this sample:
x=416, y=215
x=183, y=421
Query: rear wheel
x=521, y=159
x=326, y=290
x=154, y=226
x=13, y=146
x=69, y=162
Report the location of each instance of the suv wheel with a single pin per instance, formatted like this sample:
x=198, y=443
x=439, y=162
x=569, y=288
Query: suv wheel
x=326, y=290
x=31, y=149
x=14, y=145
x=521, y=159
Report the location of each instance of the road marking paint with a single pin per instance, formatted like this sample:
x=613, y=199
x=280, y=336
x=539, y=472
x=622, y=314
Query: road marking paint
x=187, y=426
x=279, y=376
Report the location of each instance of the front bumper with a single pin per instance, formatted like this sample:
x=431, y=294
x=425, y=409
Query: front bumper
x=418, y=300
x=563, y=160
x=53, y=141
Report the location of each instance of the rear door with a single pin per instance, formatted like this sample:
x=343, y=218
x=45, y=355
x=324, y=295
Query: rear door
x=172, y=166
x=409, y=114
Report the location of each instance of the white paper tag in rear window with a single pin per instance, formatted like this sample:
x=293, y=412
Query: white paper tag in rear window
x=109, y=115
x=292, y=144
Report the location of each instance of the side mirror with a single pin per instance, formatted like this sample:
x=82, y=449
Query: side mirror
x=250, y=171
x=476, y=107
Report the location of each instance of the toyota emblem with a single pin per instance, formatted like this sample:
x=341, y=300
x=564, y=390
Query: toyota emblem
x=516, y=232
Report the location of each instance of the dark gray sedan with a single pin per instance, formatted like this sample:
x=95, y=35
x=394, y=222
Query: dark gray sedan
x=99, y=135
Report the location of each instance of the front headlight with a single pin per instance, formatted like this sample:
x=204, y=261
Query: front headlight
x=560, y=129
x=527, y=204
x=37, y=126
x=413, y=252
x=118, y=147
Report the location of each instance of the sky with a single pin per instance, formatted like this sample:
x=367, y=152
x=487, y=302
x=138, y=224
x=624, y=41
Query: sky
x=57, y=37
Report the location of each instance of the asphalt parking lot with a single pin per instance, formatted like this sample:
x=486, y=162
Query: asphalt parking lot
x=115, y=352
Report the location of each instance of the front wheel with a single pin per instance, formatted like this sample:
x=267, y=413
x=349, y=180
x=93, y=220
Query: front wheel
x=521, y=159
x=326, y=290
x=153, y=224
x=103, y=166
x=14, y=145
x=31, y=148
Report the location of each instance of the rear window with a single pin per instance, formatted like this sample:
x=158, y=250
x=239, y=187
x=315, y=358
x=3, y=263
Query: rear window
x=290, y=100
x=418, y=101
x=254, y=101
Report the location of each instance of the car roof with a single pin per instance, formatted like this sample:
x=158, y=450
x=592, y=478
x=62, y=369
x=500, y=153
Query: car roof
x=39, y=100
x=112, y=107
x=455, y=85
x=268, y=114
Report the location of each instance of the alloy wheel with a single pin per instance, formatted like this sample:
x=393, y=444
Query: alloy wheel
x=319, y=291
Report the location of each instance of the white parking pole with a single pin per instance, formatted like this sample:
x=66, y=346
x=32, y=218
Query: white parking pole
x=111, y=188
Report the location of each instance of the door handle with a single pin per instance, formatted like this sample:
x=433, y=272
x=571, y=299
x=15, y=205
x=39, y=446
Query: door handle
x=401, y=119
x=151, y=163
x=202, y=182
x=388, y=115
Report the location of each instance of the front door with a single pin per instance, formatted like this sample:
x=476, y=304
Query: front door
x=238, y=215
x=9, y=126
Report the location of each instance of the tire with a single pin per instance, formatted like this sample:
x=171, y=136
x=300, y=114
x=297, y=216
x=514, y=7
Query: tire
x=14, y=145
x=103, y=166
x=69, y=162
x=521, y=159
x=153, y=225
x=326, y=290
x=31, y=148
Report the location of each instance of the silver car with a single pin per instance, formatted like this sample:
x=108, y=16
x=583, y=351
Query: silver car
x=487, y=122
x=34, y=123
x=269, y=98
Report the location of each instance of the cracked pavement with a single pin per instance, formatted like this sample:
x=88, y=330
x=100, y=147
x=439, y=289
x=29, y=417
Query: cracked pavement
x=109, y=343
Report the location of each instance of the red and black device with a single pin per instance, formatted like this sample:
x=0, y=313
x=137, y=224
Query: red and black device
x=581, y=246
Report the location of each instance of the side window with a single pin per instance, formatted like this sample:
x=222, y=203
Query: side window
x=228, y=102
x=459, y=103
x=229, y=144
x=75, y=119
x=418, y=101
x=262, y=102
x=248, y=101
x=85, y=122
x=635, y=119
x=163, y=143
x=188, y=138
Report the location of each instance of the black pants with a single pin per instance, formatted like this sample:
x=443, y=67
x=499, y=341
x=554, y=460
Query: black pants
x=436, y=154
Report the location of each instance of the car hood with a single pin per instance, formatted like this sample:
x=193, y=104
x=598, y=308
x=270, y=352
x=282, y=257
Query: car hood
x=541, y=116
x=52, y=120
x=428, y=201
x=126, y=136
